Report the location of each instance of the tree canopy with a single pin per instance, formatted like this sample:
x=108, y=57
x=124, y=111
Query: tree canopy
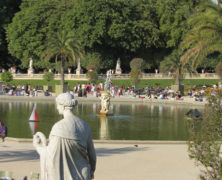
x=7, y=10
x=205, y=36
x=28, y=32
x=173, y=15
x=148, y=29
x=63, y=46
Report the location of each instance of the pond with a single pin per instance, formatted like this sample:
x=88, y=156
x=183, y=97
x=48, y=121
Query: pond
x=130, y=121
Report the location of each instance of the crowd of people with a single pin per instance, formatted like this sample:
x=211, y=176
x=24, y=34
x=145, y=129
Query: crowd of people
x=20, y=90
x=84, y=90
x=148, y=92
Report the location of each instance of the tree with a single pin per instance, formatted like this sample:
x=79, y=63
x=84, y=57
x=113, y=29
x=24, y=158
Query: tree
x=48, y=76
x=137, y=65
x=205, y=36
x=116, y=29
x=219, y=70
x=172, y=63
x=92, y=75
x=210, y=61
x=7, y=10
x=6, y=77
x=63, y=46
x=30, y=28
x=172, y=16
x=92, y=60
x=205, y=139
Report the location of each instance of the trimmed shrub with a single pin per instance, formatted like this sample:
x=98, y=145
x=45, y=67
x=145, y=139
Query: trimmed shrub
x=48, y=76
x=137, y=65
x=6, y=77
x=92, y=75
x=135, y=76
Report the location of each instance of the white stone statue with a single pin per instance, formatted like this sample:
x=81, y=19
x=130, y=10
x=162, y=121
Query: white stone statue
x=79, y=65
x=30, y=63
x=70, y=153
x=79, y=70
x=118, y=68
x=105, y=102
x=30, y=69
x=118, y=64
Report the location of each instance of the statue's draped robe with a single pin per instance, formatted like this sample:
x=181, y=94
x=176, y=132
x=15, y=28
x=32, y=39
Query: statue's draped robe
x=70, y=154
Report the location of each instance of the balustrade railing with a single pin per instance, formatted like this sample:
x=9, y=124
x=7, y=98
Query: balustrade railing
x=118, y=76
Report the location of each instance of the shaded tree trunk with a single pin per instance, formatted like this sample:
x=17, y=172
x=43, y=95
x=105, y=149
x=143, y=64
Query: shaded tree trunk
x=177, y=80
x=62, y=71
x=178, y=77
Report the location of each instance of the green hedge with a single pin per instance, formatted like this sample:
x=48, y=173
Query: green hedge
x=33, y=83
x=199, y=82
x=168, y=82
x=151, y=82
x=145, y=82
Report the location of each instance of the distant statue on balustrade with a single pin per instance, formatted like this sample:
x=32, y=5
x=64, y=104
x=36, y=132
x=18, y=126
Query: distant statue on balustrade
x=79, y=69
x=79, y=65
x=30, y=63
x=70, y=153
x=118, y=68
x=30, y=69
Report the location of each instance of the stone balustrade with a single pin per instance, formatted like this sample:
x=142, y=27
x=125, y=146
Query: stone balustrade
x=118, y=76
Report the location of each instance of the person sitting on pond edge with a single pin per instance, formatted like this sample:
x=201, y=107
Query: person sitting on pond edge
x=3, y=131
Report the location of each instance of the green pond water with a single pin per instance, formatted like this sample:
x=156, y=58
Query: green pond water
x=130, y=121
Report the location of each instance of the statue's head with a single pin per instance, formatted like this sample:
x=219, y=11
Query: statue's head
x=65, y=102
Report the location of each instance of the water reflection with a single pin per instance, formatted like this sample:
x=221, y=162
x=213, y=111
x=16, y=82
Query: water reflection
x=33, y=126
x=129, y=121
x=104, y=129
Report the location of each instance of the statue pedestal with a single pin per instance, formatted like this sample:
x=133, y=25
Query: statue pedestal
x=102, y=113
x=30, y=71
x=118, y=71
x=78, y=71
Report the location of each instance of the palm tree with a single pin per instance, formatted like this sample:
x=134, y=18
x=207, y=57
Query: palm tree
x=205, y=36
x=173, y=64
x=63, y=46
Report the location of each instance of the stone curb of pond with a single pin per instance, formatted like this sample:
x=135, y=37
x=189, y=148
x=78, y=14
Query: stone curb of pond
x=186, y=101
x=29, y=140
